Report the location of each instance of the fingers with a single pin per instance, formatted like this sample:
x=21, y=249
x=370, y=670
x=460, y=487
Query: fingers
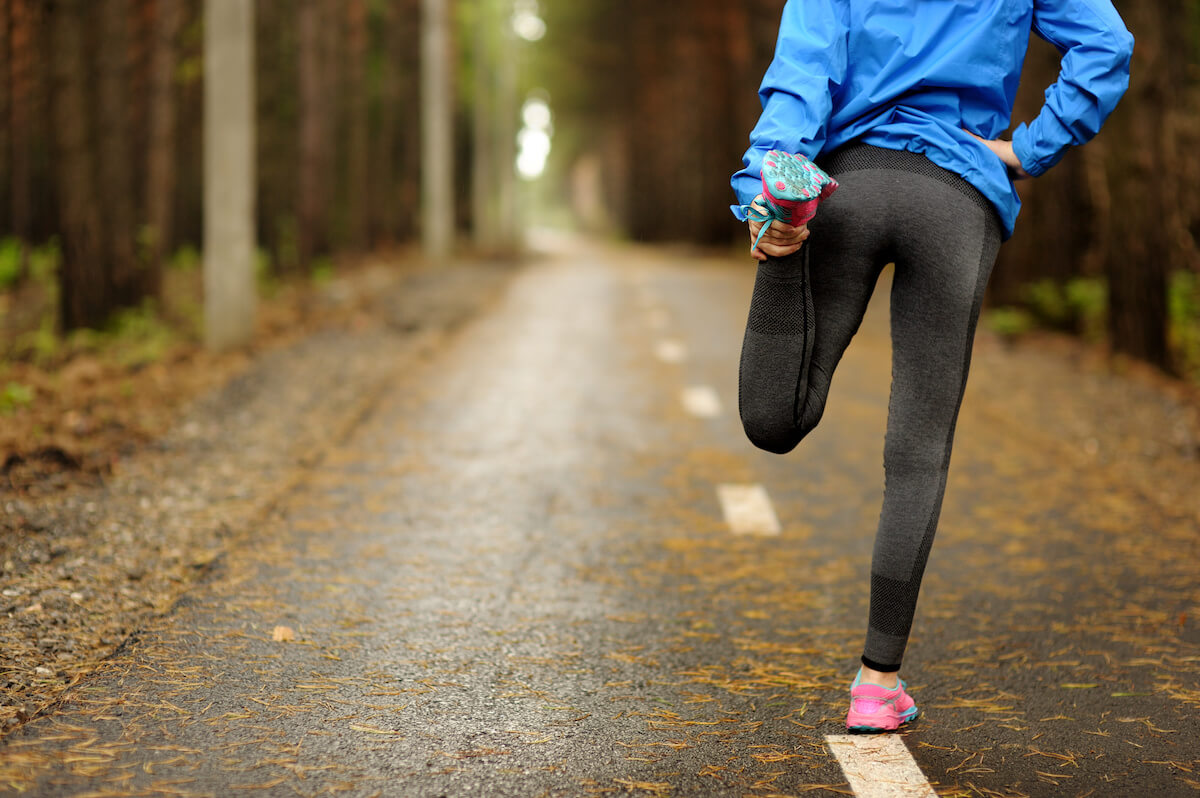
x=1003, y=149
x=783, y=235
x=778, y=245
x=779, y=240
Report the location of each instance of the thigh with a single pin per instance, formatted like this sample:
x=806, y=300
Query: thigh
x=944, y=255
x=849, y=250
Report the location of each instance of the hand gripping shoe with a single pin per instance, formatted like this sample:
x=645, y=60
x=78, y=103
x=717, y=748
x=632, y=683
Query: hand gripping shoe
x=793, y=186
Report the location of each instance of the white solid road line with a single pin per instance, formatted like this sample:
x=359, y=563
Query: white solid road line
x=670, y=350
x=879, y=766
x=748, y=510
x=701, y=401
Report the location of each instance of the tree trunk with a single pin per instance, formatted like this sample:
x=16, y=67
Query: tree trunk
x=507, y=105
x=116, y=185
x=160, y=177
x=650, y=106
x=358, y=125
x=407, y=33
x=437, y=108
x=277, y=77
x=483, y=166
x=229, y=292
x=5, y=116
x=1140, y=258
x=313, y=116
x=83, y=280
x=19, y=121
x=381, y=178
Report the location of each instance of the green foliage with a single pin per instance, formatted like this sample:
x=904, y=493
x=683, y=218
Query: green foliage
x=1087, y=297
x=287, y=244
x=137, y=335
x=1047, y=303
x=43, y=265
x=1079, y=305
x=1183, y=319
x=11, y=250
x=265, y=276
x=14, y=396
x=322, y=270
x=186, y=259
x=43, y=341
x=145, y=243
x=1009, y=322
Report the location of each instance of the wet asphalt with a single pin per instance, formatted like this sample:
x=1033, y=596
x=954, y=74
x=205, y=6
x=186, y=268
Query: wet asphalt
x=514, y=579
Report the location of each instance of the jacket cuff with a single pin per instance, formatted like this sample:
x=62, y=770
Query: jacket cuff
x=745, y=188
x=1023, y=150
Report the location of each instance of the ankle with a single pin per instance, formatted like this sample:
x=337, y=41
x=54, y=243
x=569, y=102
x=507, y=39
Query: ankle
x=890, y=680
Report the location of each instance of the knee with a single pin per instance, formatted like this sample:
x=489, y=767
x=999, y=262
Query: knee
x=771, y=440
x=773, y=432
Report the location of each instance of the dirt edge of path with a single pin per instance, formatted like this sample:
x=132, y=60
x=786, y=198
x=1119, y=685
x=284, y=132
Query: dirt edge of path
x=85, y=567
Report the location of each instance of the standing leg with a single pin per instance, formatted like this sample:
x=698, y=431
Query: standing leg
x=946, y=244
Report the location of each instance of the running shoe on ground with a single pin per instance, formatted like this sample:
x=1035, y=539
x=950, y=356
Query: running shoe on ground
x=875, y=709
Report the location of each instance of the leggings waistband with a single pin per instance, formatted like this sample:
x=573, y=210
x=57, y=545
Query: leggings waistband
x=857, y=157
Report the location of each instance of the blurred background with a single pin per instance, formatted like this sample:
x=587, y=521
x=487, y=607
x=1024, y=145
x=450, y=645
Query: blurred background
x=612, y=118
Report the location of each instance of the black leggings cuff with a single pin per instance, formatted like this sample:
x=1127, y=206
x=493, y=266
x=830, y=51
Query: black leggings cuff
x=877, y=666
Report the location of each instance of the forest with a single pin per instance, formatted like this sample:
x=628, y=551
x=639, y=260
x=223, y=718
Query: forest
x=101, y=151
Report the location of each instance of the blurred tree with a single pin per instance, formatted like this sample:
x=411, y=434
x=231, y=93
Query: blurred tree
x=115, y=153
x=672, y=113
x=22, y=19
x=103, y=147
x=358, y=99
x=100, y=142
x=387, y=72
x=483, y=113
x=84, y=290
x=1143, y=163
x=504, y=121
x=1125, y=207
x=437, y=131
x=314, y=115
x=162, y=151
x=5, y=108
x=229, y=241
x=398, y=142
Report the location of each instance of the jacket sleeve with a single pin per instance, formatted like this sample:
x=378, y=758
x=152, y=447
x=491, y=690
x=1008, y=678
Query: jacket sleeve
x=797, y=90
x=1096, y=49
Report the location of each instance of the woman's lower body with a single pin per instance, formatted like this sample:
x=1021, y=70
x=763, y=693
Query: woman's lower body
x=943, y=236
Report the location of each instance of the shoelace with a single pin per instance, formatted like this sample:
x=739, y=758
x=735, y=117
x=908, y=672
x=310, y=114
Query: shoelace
x=765, y=215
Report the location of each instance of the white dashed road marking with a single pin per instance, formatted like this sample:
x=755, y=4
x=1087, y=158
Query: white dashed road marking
x=671, y=351
x=748, y=510
x=701, y=401
x=879, y=766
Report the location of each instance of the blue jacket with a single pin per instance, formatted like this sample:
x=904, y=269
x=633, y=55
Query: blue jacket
x=911, y=74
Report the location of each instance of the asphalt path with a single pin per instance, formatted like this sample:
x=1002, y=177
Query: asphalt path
x=517, y=578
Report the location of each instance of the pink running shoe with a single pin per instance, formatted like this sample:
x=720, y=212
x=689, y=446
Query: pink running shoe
x=876, y=709
x=792, y=186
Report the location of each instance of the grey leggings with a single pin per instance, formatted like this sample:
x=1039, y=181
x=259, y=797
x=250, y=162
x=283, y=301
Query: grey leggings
x=943, y=236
